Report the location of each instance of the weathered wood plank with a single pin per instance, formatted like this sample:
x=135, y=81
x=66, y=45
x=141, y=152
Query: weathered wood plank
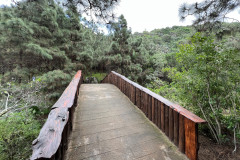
x=49, y=139
x=166, y=120
x=138, y=98
x=130, y=130
x=171, y=128
x=145, y=103
x=162, y=117
x=191, y=139
x=153, y=110
x=159, y=113
x=176, y=127
x=49, y=143
x=181, y=133
x=149, y=107
x=156, y=112
x=142, y=100
x=134, y=95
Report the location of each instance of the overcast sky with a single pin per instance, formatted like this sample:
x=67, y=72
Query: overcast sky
x=151, y=14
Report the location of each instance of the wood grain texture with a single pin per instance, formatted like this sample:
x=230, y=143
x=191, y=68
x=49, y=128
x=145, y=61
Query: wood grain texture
x=145, y=103
x=176, y=127
x=159, y=113
x=191, y=139
x=188, y=114
x=49, y=143
x=134, y=95
x=156, y=112
x=49, y=139
x=138, y=98
x=171, y=128
x=181, y=133
x=153, y=110
x=149, y=107
x=142, y=100
x=166, y=119
x=162, y=117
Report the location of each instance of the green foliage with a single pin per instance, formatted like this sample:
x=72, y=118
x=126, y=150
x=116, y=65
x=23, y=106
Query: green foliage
x=210, y=74
x=17, y=131
x=99, y=76
x=165, y=40
x=56, y=81
x=38, y=51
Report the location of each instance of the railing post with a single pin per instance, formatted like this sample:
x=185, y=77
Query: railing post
x=191, y=139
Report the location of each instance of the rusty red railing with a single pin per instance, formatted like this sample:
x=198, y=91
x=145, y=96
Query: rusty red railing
x=51, y=142
x=179, y=124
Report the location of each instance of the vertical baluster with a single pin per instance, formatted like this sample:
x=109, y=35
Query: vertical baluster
x=176, y=127
x=142, y=100
x=149, y=107
x=138, y=98
x=162, y=117
x=166, y=120
x=159, y=114
x=181, y=144
x=171, y=129
x=153, y=110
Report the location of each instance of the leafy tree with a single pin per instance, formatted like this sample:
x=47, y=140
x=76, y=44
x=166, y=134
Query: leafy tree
x=209, y=74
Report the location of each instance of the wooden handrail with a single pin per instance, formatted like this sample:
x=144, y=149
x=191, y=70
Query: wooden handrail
x=51, y=142
x=179, y=124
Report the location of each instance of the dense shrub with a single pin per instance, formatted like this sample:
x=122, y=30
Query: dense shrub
x=17, y=131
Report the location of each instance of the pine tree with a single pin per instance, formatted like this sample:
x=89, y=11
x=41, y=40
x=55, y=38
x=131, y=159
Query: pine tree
x=209, y=14
x=101, y=11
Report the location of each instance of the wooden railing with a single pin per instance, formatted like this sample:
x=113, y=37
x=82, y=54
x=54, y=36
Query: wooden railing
x=179, y=124
x=52, y=140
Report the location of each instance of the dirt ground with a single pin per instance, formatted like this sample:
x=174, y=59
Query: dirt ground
x=209, y=150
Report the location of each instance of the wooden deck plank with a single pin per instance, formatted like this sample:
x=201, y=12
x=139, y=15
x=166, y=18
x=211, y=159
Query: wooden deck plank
x=107, y=125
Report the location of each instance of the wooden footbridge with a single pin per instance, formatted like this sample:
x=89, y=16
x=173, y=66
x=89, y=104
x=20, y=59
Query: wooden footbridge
x=116, y=120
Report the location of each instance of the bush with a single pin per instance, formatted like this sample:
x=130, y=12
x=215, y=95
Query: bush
x=17, y=131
